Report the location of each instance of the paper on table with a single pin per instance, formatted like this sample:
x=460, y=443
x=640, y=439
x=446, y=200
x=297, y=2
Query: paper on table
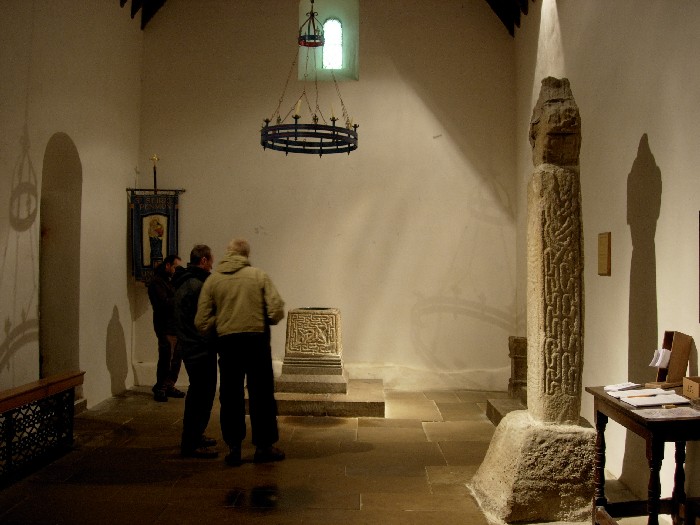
x=621, y=386
x=668, y=413
x=639, y=392
x=661, y=399
x=661, y=358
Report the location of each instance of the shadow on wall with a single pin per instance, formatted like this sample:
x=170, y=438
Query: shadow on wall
x=435, y=315
x=643, y=209
x=115, y=353
x=20, y=324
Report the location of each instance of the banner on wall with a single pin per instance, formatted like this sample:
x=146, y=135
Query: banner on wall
x=153, y=216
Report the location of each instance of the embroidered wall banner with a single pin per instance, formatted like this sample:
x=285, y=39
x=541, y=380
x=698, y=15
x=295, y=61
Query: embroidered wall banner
x=153, y=228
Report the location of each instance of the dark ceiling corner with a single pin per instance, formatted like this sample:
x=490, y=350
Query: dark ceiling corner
x=148, y=9
x=509, y=12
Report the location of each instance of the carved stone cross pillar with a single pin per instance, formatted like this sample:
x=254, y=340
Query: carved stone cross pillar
x=539, y=466
x=555, y=258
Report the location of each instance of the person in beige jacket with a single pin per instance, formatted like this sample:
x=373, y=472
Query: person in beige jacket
x=239, y=303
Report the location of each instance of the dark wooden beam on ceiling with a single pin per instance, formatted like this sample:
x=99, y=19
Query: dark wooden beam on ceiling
x=148, y=9
x=509, y=12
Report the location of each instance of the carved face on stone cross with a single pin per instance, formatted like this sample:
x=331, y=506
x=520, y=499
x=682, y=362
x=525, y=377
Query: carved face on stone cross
x=555, y=127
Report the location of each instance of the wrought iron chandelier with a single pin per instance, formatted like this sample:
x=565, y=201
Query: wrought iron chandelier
x=317, y=137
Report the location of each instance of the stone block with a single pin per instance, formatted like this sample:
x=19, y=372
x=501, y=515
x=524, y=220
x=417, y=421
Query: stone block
x=536, y=472
x=496, y=409
x=312, y=383
x=313, y=361
x=364, y=398
x=517, y=384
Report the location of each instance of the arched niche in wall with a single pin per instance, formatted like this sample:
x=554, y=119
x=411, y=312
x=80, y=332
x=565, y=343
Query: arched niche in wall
x=59, y=257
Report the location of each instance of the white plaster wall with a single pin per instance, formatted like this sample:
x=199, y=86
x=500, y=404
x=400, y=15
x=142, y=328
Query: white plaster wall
x=19, y=350
x=634, y=71
x=411, y=236
x=71, y=67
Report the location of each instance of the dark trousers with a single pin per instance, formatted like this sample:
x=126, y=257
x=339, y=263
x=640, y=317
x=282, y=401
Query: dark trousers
x=247, y=357
x=169, y=362
x=199, y=399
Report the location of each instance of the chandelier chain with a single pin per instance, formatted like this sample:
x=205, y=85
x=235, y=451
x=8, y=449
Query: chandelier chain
x=318, y=107
x=346, y=116
x=284, y=90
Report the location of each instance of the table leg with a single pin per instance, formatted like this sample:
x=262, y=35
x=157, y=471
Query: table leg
x=599, y=499
x=678, y=495
x=655, y=456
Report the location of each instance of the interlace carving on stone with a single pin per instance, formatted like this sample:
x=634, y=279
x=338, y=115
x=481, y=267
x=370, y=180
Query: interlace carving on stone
x=315, y=333
x=562, y=345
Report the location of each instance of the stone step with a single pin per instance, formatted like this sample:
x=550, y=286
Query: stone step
x=311, y=369
x=364, y=398
x=312, y=384
x=496, y=409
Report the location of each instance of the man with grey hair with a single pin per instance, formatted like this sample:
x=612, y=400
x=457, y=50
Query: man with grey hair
x=239, y=303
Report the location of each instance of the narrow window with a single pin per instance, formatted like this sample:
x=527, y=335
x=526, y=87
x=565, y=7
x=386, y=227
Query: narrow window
x=333, y=47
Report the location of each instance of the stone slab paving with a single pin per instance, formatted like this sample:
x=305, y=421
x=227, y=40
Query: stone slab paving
x=126, y=468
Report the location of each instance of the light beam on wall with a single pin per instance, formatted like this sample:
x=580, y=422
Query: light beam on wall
x=550, y=48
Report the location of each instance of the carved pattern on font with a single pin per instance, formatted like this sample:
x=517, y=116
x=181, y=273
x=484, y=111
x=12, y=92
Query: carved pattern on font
x=313, y=333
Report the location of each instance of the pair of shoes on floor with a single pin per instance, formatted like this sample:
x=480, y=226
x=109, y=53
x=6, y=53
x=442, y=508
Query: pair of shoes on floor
x=200, y=453
x=160, y=396
x=233, y=458
x=268, y=455
x=174, y=392
x=207, y=441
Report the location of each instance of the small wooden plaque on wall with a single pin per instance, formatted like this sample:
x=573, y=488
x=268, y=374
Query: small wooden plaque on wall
x=604, y=254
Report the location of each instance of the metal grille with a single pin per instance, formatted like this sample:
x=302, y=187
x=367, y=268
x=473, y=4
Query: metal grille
x=36, y=432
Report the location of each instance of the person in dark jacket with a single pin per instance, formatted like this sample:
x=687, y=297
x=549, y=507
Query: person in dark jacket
x=198, y=354
x=162, y=294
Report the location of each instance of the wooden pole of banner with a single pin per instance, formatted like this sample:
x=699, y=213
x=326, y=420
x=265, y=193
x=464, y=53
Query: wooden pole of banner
x=155, y=160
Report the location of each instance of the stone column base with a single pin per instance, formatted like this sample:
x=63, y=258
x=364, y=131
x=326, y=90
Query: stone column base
x=536, y=472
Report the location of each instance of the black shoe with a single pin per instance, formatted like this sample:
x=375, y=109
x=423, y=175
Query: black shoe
x=268, y=455
x=160, y=395
x=206, y=441
x=233, y=458
x=174, y=392
x=201, y=453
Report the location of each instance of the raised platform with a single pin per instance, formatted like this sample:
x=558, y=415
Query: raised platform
x=364, y=398
x=496, y=409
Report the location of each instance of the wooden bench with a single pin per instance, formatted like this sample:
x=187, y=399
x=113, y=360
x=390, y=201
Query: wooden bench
x=36, y=422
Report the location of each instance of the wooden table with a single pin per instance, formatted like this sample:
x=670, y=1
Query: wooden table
x=656, y=432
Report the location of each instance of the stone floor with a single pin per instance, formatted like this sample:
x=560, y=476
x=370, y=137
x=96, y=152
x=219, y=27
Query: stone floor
x=407, y=468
